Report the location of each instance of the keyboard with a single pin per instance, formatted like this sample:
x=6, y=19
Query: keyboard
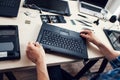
x=8, y=3
x=61, y=41
x=55, y=39
x=9, y=8
x=91, y=8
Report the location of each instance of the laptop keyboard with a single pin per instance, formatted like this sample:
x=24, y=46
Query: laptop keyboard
x=91, y=7
x=8, y=3
x=55, y=39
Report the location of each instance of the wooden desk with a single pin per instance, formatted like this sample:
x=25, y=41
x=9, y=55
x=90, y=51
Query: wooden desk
x=29, y=32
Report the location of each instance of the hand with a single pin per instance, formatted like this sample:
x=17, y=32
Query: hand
x=89, y=36
x=108, y=52
x=35, y=52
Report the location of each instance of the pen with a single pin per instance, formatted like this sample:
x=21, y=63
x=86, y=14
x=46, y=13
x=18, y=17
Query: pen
x=87, y=21
x=82, y=16
x=84, y=23
x=25, y=13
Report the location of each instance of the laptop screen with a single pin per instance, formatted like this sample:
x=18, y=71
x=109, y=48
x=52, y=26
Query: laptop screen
x=56, y=6
x=114, y=38
x=100, y=3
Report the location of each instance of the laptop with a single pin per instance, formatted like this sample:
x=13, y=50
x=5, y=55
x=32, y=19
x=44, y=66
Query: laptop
x=92, y=7
x=9, y=42
x=62, y=41
x=9, y=8
x=54, y=6
x=114, y=38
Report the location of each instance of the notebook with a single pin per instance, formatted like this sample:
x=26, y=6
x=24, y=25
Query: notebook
x=92, y=7
x=114, y=38
x=61, y=41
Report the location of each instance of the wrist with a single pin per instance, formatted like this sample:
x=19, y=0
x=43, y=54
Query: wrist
x=97, y=43
x=40, y=62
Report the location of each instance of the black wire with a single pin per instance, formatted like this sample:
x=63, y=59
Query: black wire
x=33, y=6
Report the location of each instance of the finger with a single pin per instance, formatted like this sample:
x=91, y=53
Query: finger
x=31, y=45
x=84, y=35
x=85, y=31
x=41, y=46
x=37, y=44
x=27, y=52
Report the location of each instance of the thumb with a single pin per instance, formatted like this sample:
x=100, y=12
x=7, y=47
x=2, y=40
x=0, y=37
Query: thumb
x=37, y=44
x=84, y=35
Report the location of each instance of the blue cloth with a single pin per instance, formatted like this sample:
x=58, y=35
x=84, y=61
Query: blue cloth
x=112, y=74
x=57, y=73
x=115, y=63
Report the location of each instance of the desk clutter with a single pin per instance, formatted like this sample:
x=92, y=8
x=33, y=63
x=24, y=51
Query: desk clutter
x=9, y=42
x=52, y=19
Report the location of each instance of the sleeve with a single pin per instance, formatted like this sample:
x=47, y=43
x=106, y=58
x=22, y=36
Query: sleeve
x=115, y=63
x=110, y=75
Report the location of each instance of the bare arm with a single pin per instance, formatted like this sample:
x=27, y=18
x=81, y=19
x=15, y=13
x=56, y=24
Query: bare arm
x=109, y=53
x=42, y=73
x=36, y=54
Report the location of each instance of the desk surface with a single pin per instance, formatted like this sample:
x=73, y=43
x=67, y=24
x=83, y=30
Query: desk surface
x=29, y=32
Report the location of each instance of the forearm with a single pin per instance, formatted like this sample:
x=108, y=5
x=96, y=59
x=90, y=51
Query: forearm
x=109, y=53
x=42, y=73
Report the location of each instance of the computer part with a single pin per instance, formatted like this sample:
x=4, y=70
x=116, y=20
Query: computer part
x=62, y=41
x=114, y=38
x=9, y=8
x=52, y=18
x=92, y=7
x=55, y=6
x=9, y=42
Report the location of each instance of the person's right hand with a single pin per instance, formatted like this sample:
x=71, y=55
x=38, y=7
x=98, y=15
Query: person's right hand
x=35, y=52
x=89, y=36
